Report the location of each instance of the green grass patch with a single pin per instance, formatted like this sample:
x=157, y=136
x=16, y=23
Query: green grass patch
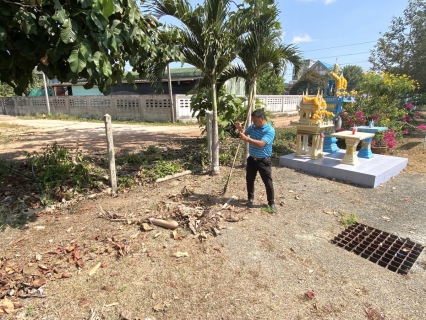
x=285, y=141
x=348, y=219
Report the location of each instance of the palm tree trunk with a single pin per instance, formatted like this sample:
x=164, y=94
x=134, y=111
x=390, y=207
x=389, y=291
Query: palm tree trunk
x=215, y=169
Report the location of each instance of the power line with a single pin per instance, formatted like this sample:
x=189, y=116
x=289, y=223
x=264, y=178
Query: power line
x=346, y=45
x=348, y=35
x=342, y=55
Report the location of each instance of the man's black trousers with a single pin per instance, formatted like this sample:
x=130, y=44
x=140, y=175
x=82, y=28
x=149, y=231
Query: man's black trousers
x=263, y=166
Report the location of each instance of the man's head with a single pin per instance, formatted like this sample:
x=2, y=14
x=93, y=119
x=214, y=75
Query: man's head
x=258, y=118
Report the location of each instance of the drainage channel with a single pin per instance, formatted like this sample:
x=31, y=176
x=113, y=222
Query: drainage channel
x=385, y=249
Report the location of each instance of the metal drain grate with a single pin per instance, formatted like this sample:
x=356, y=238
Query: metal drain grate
x=385, y=249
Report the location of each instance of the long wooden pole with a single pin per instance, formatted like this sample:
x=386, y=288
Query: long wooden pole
x=111, y=156
x=169, y=77
x=46, y=93
x=233, y=162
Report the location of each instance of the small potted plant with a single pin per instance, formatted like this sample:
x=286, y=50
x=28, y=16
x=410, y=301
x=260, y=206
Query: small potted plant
x=383, y=141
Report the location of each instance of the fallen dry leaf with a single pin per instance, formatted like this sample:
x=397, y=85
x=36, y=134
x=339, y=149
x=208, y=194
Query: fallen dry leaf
x=7, y=305
x=180, y=254
x=66, y=275
x=158, y=307
x=386, y=218
x=39, y=282
x=146, y=227
x=83, y=302
x=94, y=269
x=38, y=256
x=108, y=288
x=126, y=314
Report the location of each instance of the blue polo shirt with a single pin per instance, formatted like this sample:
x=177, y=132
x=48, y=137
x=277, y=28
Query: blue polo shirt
x=265, y=133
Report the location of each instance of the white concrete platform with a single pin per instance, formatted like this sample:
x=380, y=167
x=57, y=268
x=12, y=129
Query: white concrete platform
x=369, y=173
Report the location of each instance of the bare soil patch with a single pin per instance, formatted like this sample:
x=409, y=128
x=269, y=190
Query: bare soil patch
x=240, y=264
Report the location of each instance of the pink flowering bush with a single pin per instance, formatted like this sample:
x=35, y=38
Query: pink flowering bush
x=411, y=118
x=409, y=106
x=385, y=139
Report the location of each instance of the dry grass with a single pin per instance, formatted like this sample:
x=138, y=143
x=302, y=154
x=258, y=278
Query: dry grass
x=260, y=267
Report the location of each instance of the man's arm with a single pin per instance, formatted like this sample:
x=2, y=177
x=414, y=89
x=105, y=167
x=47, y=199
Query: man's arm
x=253, y=142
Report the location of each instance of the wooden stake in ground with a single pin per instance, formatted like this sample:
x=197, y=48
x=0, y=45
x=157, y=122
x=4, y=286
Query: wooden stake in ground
x=111, y=156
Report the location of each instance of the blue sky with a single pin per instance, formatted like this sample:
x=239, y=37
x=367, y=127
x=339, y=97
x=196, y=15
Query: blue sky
x=327, y=30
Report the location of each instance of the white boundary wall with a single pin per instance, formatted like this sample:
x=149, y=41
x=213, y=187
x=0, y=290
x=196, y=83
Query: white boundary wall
x=149, y=108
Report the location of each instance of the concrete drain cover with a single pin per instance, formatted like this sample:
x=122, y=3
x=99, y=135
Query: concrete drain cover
x=385, y=249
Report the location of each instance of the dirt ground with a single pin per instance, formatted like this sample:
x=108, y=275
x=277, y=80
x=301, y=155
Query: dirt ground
x=248, y=264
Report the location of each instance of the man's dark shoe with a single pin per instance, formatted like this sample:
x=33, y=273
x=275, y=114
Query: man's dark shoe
x=249, y=203
x=272, y=208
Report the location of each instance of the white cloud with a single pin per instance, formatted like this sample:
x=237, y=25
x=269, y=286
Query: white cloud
x=329, y=1
x=302, y=38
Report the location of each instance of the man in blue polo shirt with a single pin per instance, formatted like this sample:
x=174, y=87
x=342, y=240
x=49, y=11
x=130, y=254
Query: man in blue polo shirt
x=260, y=136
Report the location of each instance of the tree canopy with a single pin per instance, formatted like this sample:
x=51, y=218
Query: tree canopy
x=7, y=91
x=309, y=83
x=77, y=39
x=270, y=83
x=353, y=74
x=402, y=49
x=260, y=49
x=208, y=42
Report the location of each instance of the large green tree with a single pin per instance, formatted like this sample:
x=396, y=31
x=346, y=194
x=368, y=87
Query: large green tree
x=260, y=49
x=309, y=83
x=270, y=83
x=74, y=39
x=354, y=75
x=402, y=49
x=208, y=42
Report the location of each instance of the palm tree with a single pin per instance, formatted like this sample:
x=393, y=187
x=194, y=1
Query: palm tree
x=260, y=51
x=207, y=41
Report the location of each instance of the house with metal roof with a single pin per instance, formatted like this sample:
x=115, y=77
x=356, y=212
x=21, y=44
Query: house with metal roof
x=322, y=67
x=308, y=64
x=183, y=80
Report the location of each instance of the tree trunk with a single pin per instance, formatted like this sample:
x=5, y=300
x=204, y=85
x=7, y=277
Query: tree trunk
x=251, y=102
x=215, y=169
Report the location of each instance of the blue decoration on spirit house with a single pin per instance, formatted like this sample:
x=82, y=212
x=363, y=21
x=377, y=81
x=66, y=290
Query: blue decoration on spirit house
x=335, y=97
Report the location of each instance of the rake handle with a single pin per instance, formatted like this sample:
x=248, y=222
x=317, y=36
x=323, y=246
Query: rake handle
x=233, y=162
